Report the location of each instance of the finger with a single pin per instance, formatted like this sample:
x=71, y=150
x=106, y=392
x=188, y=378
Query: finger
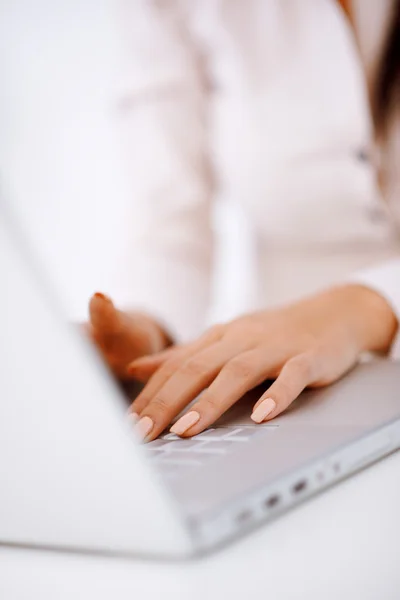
x=170, y=366
x=116, y=334
x=105, y=318
x=297, y=374
x=241, y=374
x=192, y=377
x=144, y=367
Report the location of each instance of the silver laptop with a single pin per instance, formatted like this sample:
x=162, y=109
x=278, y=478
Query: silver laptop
x=73, y=477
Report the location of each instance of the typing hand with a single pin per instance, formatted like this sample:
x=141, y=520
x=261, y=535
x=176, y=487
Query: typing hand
x=310, y=343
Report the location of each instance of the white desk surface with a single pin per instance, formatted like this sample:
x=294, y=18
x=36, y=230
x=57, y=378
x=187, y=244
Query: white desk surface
x=343, y=544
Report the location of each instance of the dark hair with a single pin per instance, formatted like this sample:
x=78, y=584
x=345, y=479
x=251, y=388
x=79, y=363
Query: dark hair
x=387, y=88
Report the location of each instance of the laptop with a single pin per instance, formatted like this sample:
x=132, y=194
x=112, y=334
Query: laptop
x=73, y=476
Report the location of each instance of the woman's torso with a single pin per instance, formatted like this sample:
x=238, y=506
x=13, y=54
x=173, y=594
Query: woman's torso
x=291, y=139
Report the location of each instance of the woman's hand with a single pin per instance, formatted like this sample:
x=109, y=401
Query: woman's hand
x=310, y=343
x=120, y=336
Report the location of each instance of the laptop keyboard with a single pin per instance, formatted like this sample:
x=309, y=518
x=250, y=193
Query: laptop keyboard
x=174, y=455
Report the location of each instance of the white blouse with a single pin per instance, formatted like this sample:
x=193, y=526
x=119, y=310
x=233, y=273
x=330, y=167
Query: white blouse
x=261, y=105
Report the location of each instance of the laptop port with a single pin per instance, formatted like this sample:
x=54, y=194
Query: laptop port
x=272, y=501
x=299, y=487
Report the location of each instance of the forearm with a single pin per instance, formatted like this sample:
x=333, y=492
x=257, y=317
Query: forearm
x=167, y=265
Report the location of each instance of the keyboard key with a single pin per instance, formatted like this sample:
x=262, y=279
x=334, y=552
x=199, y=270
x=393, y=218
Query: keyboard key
x=183, y=456
x=242, y=434
x=173, y=455
x=181, y=444
x=159, y=443
x=213, y=447
x=211, y=434
x=170, y=436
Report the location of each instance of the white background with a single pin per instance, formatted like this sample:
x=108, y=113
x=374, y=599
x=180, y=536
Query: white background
x=61, y=170
x=60, y=159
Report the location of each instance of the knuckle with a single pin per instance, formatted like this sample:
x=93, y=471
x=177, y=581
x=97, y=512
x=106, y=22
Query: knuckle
x=160, y=405
x=283, y=391
x=194, y=367
x=239, y=367
x=215, y=332
x=301, y=365
x=208, y=404
x=171, y=366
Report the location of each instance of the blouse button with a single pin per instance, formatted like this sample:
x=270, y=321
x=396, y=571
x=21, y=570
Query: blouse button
x=362, y=155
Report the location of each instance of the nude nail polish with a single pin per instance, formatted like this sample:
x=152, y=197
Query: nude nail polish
x=133, y=418
x=263, y=410
x=143, y=427
x=185, y=422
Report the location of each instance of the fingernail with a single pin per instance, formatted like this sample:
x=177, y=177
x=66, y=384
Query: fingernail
x=263, y=410
x=143, y=427
x=133, y=418
x=185, y=422
x=133, y=367
x=102, y=296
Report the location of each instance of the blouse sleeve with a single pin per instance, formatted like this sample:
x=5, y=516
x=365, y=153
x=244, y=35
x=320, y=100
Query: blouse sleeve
x=385, y=279
x=162, y=114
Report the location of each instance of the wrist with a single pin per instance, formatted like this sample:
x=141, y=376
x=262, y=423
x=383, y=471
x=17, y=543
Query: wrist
x=375, y=321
